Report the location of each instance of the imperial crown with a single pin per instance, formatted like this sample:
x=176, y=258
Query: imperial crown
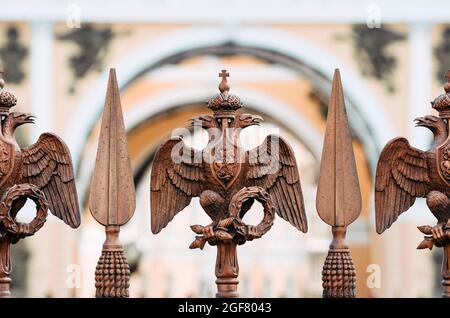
x=442, y=102
x=7, y=100
x=224, y=104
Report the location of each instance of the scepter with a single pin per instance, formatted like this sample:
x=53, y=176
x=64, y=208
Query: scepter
x=112, y=196
x=338, y=198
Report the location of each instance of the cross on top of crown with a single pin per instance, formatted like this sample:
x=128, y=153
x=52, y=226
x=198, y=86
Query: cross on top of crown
x=224, y=74
x=224, y=86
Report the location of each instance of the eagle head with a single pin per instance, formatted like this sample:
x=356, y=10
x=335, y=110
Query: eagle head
x=435, y=124
x=247, y=120
x=20, y=119
x=204, y=121
x=14, y=120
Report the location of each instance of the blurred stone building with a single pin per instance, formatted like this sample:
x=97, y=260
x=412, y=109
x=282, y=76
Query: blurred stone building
x=281, y=56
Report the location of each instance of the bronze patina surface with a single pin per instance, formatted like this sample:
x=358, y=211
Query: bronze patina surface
x=338, y=198
x=112, y=199
x=405, y=173
x=228, y=180
x=42, y=172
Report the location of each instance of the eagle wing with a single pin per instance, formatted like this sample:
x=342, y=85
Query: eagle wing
x=48, y=165
x=176, y=178
x=272, y=166
x=402, y=176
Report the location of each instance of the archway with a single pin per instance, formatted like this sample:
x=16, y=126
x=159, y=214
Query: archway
x=166, y=101
x=364, y=112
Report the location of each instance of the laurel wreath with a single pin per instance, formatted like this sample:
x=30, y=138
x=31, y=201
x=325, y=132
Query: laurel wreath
x=233, y=228
x=8, y=222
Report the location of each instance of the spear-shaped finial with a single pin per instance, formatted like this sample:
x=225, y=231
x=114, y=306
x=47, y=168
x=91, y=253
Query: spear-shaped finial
x=338, y=198
x=112, y=196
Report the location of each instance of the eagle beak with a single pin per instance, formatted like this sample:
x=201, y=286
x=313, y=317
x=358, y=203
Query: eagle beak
x=420, y=122
x=30, y=119
x=193, y=122
x=250, y=120
x=200, y=121
x=256, y=120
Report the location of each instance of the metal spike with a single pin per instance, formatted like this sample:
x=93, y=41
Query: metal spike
x=112, y=195
x=338, y=198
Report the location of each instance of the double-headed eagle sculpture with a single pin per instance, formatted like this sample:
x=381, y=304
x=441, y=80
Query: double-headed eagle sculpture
x=405, y=173
x=42, y=172
x=227, y=179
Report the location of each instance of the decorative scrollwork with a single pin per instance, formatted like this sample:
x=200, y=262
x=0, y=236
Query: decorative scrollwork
x=233, y=228
x=445, y=163
x=225, y=171
x=8, y=221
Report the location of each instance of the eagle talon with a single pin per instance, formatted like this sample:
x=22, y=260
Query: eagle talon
x=252, y=232
x=438, y=234
x=23, y=230
x=208, y=232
